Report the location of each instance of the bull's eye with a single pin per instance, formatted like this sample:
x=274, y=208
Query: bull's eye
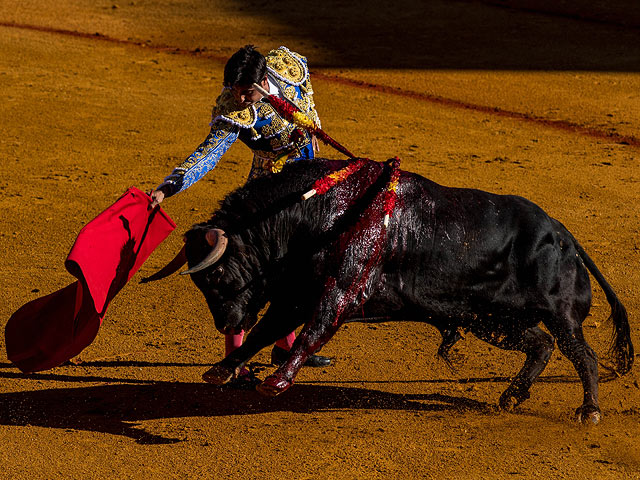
x=216, y=275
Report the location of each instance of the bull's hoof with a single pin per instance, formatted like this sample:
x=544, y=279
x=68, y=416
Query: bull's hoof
x=218, y=375
x=512, y=397
x=588, y=415
x=508, y=403
x=273, y=386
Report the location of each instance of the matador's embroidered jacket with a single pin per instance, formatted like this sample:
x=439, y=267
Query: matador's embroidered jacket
x=273, y=140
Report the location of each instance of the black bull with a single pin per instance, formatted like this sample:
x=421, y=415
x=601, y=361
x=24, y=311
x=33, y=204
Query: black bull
x=495, y=265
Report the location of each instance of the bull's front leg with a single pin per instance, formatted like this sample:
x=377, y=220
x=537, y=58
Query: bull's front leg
x=359, y=254
x=335, y=306
x=273, y=325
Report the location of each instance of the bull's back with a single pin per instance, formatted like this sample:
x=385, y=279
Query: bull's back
x=459, y=249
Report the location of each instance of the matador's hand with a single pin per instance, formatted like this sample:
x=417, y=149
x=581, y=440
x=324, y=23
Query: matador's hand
x=157, y=196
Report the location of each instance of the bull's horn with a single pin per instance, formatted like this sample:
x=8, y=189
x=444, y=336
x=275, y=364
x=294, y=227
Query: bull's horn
x=218, y=241
x=173, y=266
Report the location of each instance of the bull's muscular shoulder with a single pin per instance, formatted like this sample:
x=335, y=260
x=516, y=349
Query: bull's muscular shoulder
x=287, y=66
x=227, y=111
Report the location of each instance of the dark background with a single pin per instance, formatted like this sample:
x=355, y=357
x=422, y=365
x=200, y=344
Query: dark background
x=592, y=35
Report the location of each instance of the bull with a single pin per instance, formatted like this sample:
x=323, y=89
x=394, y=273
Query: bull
x=459, y=259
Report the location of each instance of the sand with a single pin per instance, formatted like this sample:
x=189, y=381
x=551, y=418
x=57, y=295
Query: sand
x=538, y=99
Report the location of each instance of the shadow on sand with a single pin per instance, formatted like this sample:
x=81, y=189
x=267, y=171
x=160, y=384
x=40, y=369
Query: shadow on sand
x=591, y=35
x=115, y=409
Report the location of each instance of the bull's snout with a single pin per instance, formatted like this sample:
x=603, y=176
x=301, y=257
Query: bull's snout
x=231, y=330
x=234, y=324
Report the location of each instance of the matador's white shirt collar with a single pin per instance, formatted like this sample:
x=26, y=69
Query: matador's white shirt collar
x=273, y=89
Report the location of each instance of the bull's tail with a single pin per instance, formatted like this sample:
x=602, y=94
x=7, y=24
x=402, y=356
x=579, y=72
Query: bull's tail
x=621, y=350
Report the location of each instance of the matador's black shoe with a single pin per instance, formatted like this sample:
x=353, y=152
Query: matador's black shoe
x=279, y=355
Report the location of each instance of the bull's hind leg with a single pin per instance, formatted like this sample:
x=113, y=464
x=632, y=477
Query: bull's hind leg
x=536, y=344
x=570, y=338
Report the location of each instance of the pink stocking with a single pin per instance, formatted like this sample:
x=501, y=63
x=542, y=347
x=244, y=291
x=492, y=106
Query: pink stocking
x=231, y=342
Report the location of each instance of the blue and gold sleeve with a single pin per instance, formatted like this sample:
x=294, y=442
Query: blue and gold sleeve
x=202, y=160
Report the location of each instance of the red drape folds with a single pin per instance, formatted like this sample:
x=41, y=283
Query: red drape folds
x=109, y=250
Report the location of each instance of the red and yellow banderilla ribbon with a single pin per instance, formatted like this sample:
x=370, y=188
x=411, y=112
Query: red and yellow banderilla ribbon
x=323, y=185
x=293, y=114
x=391, y=192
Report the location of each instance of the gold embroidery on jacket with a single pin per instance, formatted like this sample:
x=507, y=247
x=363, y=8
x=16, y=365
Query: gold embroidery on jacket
x=226, y=108
x=276, y=126
x=265, y=110
x=287, y=65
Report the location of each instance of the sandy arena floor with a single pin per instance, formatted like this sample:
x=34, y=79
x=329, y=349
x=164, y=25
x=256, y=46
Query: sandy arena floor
x=535, y=98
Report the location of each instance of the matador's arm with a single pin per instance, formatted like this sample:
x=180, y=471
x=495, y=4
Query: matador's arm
x=202, y=160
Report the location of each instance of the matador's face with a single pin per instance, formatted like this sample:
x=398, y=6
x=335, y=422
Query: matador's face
x=247, y=95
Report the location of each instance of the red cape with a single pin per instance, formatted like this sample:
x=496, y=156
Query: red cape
x=108, y=251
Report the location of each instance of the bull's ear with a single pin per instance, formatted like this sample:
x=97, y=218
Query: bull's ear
x=213, y=236
x=240, y=248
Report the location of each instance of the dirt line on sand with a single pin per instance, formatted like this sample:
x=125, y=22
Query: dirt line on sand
x=563, y=125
